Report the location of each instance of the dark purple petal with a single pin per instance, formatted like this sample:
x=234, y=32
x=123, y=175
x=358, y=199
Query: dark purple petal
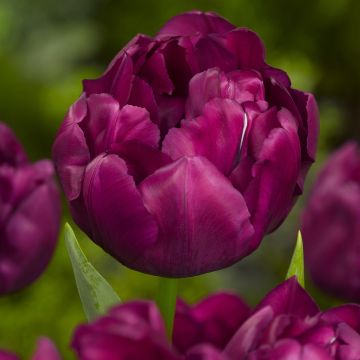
x=249, y=335
x=205, y=352
x=195, y=22
x=203, y=221
x=11, y=151
x=130, y=331
x=29, y=237
x=5, y=355
x=349, y=314
x=290, y=298
x=216, y=135
x=143, y=96
x=214, y=320
x=116, y=210
x=70, y=150
x=269, y=195
x=141, y=160
x=117, y=81
x=247, y=47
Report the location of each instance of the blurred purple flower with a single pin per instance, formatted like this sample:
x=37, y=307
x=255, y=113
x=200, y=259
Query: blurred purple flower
x=29, y=214
x=45, y=350
x=187, y=150
x=331, y=225
x=287, y=324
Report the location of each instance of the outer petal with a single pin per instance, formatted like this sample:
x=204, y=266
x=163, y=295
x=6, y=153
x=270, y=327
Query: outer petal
x=46, y=350
x=36, y=222
x=349, y=314
x=247, y=47
x=11, y=151
x=214, y=320
x=290, y=298
x=248, y=336
x=203, y=221
x=130, y=331
x=120, y=223
x=195, y=22
x=217, y=135
x=269, y=195
x=70, y=151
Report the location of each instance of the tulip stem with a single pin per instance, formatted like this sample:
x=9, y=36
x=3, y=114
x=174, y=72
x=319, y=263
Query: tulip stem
x=166, y=300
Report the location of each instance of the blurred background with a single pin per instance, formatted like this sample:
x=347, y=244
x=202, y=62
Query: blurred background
x=47, y=47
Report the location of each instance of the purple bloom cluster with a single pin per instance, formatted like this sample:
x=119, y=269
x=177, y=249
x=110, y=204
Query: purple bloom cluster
x=331, y=225
x=287, y=324
x=187, y=150
x=29, y=214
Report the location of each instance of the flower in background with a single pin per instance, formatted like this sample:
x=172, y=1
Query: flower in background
x=287, y=324
x=331, y=225
x=188, y=150
x=45, y=350
x=29, y=214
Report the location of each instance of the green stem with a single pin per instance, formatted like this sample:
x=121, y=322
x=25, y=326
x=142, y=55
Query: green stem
x=166, y=300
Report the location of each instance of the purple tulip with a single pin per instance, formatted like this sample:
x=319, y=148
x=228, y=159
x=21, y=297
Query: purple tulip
x=187, y=150
x=29, y=214
x=331, y=225
x=287, y=324
x=45, y=350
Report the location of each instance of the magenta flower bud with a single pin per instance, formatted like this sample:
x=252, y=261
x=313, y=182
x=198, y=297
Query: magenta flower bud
x=188, y=150
x=29, y=214
x=45, y=350
x=331, y=225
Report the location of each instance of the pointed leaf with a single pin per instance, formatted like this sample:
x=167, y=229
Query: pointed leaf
x=96, y=294
x=297, y=262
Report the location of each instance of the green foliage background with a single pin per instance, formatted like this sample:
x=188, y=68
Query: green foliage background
x=47, y=47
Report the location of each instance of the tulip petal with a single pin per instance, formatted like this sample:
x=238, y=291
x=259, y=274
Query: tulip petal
x=195, y=22
x=213, y=320
x=11, y=151
x=290, y=298
x=205, y=352
x=247, y=47
x=249, y=334
x=119, y=221
x=142, y=95
x=217, y=135
x=46, y=350
x=269, y=194
x=21, y=263
x=70, y=151
x=117, y=81
x=203, y=221
x=349, y=314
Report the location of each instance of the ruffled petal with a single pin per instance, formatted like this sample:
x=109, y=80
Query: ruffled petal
x=205, y=352
x=217, y=135
x=270, y=193
x=119, y=221
x=70, y=151
x=290, y=298
x=195, y=22
x=203, y=221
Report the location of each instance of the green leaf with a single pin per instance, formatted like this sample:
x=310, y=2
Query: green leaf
x=297, y=262
x=166, y=301
x=96, y=294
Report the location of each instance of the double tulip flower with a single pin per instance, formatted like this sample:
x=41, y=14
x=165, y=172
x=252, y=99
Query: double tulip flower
x=187, y=150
